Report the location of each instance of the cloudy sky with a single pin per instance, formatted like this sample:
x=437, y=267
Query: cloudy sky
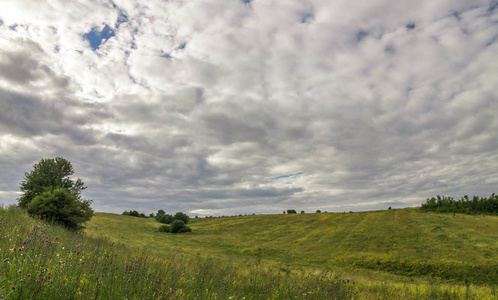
x=221, y=107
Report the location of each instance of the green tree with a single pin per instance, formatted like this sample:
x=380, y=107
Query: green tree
x=166, y=219
x=62, y=207
x=182, y=216
x=178, y=226
x=48, y=175
x=50, y=193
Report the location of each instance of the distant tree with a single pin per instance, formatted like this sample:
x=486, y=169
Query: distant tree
x=134, y=213
x=476, y=205
x=291, y=211
x=302, y=211
x=125, y=213
x=48, y=175
x=160, y=213
x=152, y=215
x=284, y=212
x=182, y=216
x=165, y=219
x=178, y=226
x=318, y=211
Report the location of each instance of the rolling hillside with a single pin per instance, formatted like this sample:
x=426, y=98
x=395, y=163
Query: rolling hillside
x=402, y=245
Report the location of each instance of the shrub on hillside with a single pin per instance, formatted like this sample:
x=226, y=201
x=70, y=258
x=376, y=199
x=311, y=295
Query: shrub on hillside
x=291, y=211
x=165, y=219
x=178, y=226
x=163, y=228
x=182, y=216
x=134, y=213
x=62, y=207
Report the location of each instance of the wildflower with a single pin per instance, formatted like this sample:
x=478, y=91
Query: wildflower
x=56, y=237
x=78, y=246
x=157, y=281
x=13, y=287
x=172, y=291
x=20, y=249
x=347, y=280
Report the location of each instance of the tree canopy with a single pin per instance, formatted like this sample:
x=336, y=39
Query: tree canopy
x=47, y=175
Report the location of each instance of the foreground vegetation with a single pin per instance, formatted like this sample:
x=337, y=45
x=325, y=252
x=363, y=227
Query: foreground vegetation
x=43, y=261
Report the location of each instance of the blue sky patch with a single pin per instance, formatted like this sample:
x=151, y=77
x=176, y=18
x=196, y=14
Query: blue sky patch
x=96, y=37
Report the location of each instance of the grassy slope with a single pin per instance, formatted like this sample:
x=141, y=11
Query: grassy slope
x=389, y=254
x=377, y=240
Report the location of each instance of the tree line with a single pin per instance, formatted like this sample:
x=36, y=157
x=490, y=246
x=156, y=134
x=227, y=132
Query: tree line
x=466, y=205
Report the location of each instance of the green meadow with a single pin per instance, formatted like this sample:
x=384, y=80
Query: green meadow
x=391, y=254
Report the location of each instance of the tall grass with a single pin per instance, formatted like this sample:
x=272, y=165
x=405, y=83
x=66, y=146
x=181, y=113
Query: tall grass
x=44, y=261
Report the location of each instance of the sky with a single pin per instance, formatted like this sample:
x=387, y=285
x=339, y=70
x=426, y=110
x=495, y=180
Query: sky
x=224, y=107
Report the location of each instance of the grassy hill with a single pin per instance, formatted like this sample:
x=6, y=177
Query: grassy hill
x=405, y=248
x=393, y=254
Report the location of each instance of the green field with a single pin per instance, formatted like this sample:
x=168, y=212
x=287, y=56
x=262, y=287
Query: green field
x=392, y=254
x=391, y=251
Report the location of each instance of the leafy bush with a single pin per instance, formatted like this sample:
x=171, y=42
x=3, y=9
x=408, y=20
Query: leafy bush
x=165, y=219
x=185, y=229
x=62, y=207
x=182, y=216
x=178, y=226
x=134, y=213
x=163, y=228
x=291, y=211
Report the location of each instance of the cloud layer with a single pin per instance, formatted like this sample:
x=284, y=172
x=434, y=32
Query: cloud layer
x=228, y=107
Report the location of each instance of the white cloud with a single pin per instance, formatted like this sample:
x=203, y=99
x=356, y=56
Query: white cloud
x=192, y=105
